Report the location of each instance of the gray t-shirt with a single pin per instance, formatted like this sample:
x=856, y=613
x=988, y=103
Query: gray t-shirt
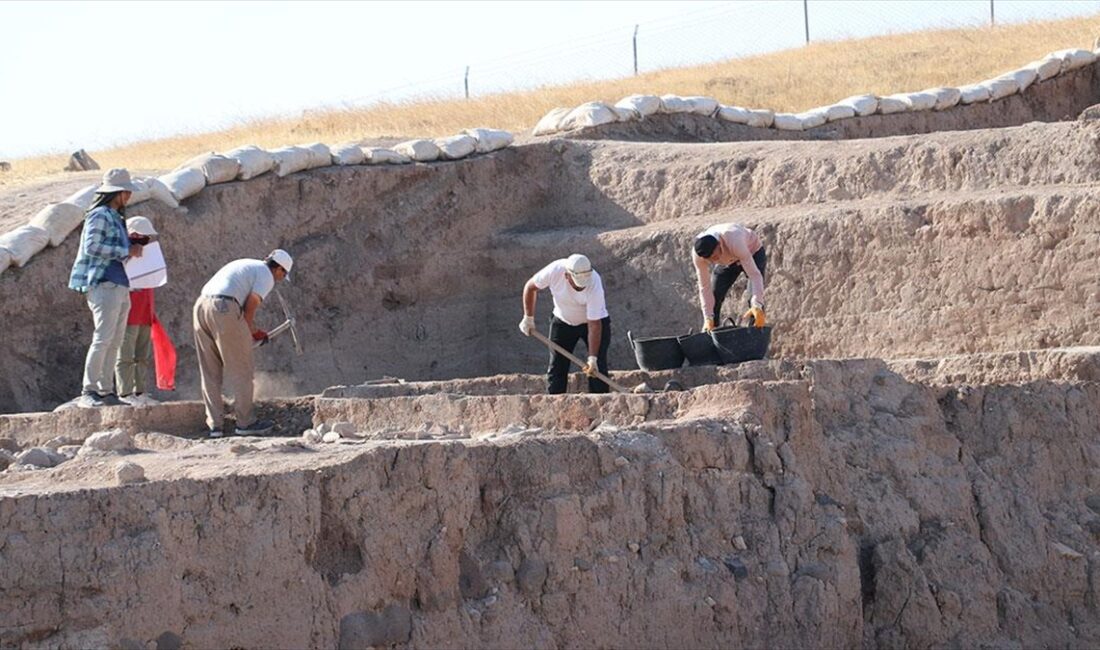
x=240, y=278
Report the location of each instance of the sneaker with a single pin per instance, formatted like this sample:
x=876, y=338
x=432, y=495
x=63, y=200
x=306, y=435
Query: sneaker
x=88, y=400
x=258, y=427
x=110, y=399
x=132, y=400
x=214, y=433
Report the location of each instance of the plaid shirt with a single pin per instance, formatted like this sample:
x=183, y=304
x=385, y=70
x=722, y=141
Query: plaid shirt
x=103, y=241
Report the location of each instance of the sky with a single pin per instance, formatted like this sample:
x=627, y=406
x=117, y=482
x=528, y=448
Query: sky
x=95, y=74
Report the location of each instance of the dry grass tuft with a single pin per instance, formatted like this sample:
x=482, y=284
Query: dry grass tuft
x=790, y=80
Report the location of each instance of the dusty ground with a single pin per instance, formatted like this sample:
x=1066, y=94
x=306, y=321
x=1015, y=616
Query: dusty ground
x=914, y=467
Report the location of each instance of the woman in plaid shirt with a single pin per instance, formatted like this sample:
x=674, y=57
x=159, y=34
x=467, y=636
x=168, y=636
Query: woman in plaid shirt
x=98, y=272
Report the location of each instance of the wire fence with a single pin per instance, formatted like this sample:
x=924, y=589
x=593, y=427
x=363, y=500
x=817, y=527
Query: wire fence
x=715, y=33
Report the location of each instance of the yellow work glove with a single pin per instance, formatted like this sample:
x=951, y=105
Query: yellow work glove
x=591, y=367
x=757, y=316
x=708, y=324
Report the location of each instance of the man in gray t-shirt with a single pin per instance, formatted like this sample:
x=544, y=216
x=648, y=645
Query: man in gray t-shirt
x=225, y=329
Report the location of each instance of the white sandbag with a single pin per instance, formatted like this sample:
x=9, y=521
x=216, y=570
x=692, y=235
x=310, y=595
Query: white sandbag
x=839, y=112
x=319, y=155
x=706, y=106
x=788, y=122
x=490, y=139
x=549, y=122
x=587, y=115
x=1023, y=77
x=734, y=114
x=893, y=104
x=675, y=104
x=289, y=160
x=455, y=146
x=348, y=153
x=159, y=191
x=379, y=156
x=761, y=118
x=418, y=150
x=1046, y=68
x=626, y=114
x=644, y=105
x=922, y=101
x=5, y=259
x=1001, y=87
x=215, y=168
x=184, y=183
x=253, y=161
x=1073, y=59
x=814, y=117
x=973, y=94
x=58, y=219
x=863, y=105
x=945, y=97
x=83, y=198
x=24, y=243
x=141, y=191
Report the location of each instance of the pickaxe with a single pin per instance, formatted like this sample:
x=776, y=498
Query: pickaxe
x=288, y=324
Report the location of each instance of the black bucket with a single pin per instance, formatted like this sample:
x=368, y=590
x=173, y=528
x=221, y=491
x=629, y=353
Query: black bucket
x=737, y=344
x=726, y=345
x=699, y=349
x=657, y=352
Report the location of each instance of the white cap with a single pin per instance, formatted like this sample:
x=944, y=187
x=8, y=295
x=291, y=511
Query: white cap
x=141, y=226
x=580, y=269
x=282, y=258
x=115, y=180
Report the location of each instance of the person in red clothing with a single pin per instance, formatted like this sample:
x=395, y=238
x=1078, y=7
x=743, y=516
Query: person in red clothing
x=132, y=370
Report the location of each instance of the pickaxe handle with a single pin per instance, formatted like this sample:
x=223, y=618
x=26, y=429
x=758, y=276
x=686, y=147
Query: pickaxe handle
x=569, y=355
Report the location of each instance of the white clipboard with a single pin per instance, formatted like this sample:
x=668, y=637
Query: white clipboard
x=148, y=271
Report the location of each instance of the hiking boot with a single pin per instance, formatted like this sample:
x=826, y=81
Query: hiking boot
x=257, y=428
x=110, y=399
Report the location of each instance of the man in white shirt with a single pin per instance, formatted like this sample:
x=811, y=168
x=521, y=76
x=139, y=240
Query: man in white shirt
x=580, y=313
x=225, y=330
x=732, y=249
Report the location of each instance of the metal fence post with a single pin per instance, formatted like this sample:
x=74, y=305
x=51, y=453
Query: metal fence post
x=466, y=82
x=992, y=22
x=806, y=18
x=635, y=50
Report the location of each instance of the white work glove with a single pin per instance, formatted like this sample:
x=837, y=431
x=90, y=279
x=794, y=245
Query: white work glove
x=591, y=368
x=527, y=325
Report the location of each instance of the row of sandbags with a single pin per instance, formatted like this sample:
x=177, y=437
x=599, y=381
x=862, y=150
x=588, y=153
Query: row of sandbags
x=637, y=107
x=57, y=220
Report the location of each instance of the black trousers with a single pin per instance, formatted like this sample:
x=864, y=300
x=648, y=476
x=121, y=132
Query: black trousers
x=723, y=277
x=566, y=335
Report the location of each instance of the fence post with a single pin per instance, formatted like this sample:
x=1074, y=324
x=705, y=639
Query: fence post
x=635, y=50
x=466, y=82
x=992, y=22
x=806, y=18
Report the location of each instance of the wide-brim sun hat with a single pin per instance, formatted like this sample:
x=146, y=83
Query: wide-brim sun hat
x=580, y=269
x=141, y=226
x=116, y=180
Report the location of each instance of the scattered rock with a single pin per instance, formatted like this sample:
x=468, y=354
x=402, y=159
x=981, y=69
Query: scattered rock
x=736, y=567
x=114, y=440
x=634, y=547
x=1093, y=502
x=127, y=473
x=69, y=451
x=391, y=626
x=1090, y=113
x=10, y=444
x=169, y=641
x=641, y=388
x=673, y=386
x=531, y=576
x=739, y=543
x=345, y=429
x=60, y=441
x=312, y=436
x=331, y=436
x=621, y=462
x=1067, y=552
x=324, y=428
x=242, y=448
x=582, y=564
x=38, y=457
x=710, y=602
x=80, y=161
x=6, y=458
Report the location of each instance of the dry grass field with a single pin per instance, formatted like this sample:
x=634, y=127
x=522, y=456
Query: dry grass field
x=789, y=80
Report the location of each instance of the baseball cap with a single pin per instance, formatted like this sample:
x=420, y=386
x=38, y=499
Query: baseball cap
x=283, y=259
x=580, y=269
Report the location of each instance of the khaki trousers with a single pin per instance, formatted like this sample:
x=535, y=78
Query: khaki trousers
x=110, y=306
x=134, y=359
x=224, y=346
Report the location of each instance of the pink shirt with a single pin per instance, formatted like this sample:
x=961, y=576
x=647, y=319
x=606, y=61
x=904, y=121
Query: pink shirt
x=736, y=245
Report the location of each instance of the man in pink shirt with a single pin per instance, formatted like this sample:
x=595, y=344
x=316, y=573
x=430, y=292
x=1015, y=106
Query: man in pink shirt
x=721, y=253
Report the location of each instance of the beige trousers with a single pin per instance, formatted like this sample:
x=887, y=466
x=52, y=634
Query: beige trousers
x=110, y=306
x=224, y=346
x=134, y=359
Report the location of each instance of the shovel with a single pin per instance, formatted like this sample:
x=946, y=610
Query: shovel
x=568, y=355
